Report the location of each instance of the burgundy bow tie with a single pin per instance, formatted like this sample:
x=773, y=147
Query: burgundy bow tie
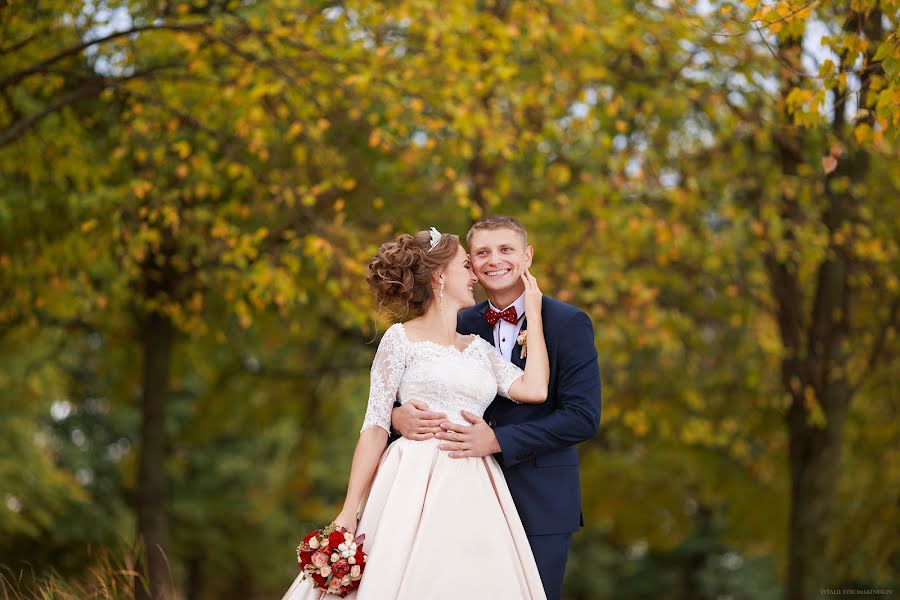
x=508, y=315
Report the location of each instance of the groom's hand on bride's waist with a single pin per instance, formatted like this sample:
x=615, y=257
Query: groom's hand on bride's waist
x=464, y=441
x=414, y=421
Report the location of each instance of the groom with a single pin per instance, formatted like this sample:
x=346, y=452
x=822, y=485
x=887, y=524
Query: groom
x=534, y=443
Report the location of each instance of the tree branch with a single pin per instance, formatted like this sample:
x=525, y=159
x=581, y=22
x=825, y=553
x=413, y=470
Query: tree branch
x=42, y=66
x=20, y=44
x=17, y=129
x=877, y=351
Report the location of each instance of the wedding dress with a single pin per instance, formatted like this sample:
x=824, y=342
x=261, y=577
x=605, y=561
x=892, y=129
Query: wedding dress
x=438, y=527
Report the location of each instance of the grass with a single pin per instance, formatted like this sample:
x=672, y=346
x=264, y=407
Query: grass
x=110, y=577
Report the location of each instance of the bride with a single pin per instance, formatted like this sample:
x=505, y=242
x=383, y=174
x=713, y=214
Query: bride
x=437, y=527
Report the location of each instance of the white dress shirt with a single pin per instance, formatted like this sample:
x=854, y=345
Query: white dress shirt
x=505, y=333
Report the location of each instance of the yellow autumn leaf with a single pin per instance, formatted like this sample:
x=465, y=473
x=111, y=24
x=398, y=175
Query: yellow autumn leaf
x=862, y=132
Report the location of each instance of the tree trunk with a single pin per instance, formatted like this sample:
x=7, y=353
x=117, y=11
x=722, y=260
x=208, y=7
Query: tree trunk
x=818, y=372
x=157, y=334
x=814, y=469
x=195, y=579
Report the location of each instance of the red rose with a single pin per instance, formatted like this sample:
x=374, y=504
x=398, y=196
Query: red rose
x=360, y=557
x=309, y=536
x=335, y=539
x=320, y=581
x=306, y=557
x=340, y=568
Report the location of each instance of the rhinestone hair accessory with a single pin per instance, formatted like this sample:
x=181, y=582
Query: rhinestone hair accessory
x=435, y=238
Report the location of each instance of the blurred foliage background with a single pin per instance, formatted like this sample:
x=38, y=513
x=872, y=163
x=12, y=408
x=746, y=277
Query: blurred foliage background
x=190, y=189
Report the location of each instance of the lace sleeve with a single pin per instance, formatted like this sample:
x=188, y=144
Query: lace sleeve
x=505, y=372
x=387, y=371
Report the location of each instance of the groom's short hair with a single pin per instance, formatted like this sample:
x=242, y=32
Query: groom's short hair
x=498, y=222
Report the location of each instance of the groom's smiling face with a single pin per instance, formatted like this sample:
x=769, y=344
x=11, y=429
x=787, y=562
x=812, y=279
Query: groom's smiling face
x=499, y=257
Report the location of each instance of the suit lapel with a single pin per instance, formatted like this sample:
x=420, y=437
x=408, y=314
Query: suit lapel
x=482, y=327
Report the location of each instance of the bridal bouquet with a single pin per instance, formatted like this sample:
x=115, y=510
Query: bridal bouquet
x=333, y=559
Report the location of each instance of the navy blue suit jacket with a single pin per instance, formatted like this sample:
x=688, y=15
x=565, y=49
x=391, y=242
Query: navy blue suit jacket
x=538, y=456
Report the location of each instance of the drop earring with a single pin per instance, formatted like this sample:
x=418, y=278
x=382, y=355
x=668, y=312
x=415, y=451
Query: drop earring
x=442, y=292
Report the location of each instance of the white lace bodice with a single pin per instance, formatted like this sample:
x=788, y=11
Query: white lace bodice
x=447, y=379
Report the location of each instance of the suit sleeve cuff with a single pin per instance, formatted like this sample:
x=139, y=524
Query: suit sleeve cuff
x=510, y=453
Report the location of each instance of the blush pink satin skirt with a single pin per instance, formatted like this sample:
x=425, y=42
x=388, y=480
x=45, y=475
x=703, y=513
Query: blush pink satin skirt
x=438, y=528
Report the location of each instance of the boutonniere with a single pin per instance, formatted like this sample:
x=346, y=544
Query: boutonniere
x=522, y=340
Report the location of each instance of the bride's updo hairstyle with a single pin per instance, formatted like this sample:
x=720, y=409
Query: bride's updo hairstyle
x=400, y=275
